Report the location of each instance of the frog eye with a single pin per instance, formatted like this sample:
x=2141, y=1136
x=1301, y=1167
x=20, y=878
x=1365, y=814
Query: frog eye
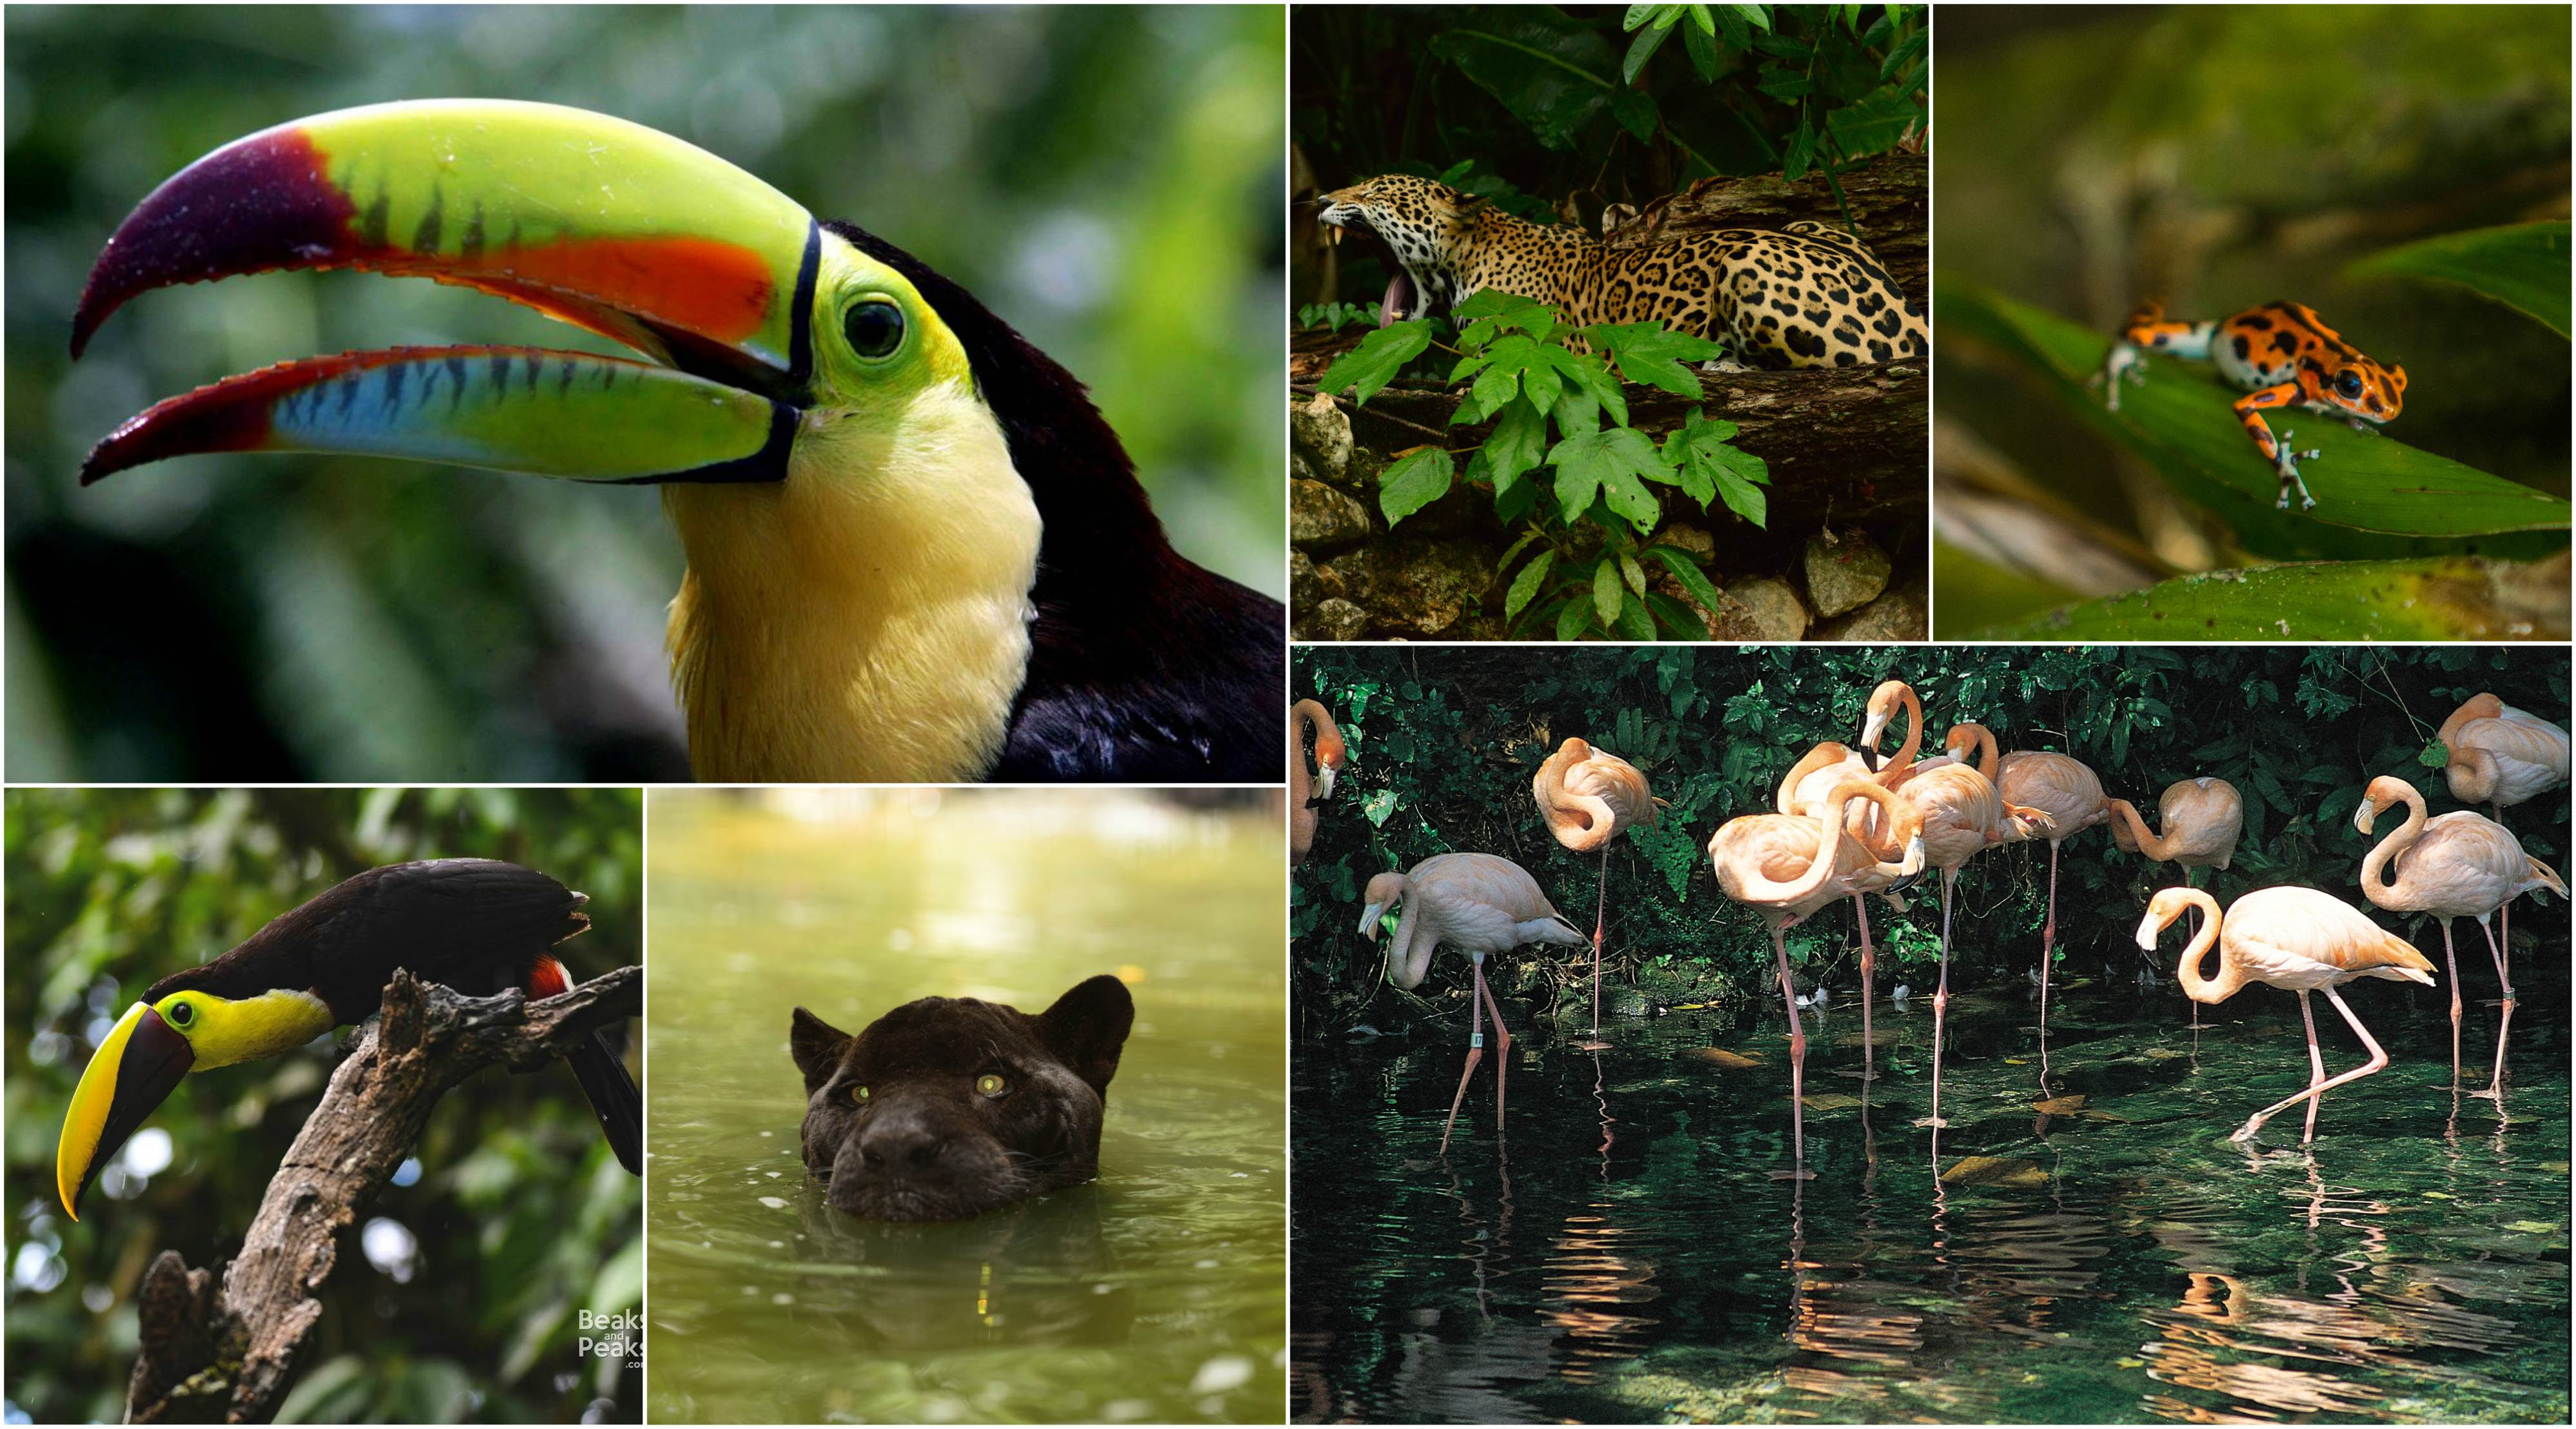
x=991, y=1084
x=2348, y=382
x=859, y=1095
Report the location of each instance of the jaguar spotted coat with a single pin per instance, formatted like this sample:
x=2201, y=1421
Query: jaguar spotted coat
x=1805, y=296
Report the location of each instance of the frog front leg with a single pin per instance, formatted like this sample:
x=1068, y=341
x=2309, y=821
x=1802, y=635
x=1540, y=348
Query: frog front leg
x=2285, y=461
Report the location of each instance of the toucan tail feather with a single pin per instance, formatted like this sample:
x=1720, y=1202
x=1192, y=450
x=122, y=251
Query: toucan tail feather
x=613, y=1095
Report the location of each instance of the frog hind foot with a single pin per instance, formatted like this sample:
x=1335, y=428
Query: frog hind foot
x=2123, y=361
x=2286, y=462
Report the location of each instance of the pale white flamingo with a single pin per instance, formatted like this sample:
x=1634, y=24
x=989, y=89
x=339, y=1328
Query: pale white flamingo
x=1787, y=866
x=1331, y=757
x=2294, y=938
x=2066, y=790
x=2202, y=818
x=1479, y=904
x=2461, y=865
x=1962, y=817
x=1803, y=790
x=1587, y=796
x=2499, y=757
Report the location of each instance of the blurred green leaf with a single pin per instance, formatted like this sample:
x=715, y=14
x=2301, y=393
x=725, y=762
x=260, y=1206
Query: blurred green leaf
x=2444, y=598
x=2523, y=266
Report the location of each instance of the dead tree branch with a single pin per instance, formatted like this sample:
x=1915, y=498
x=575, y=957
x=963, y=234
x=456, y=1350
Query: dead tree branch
x=229, y=1354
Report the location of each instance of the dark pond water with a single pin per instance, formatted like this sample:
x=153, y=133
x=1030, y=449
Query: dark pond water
x=1628, y=1253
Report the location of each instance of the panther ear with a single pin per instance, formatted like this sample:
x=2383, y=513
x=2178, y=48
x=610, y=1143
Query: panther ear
x=1470, y=207
x=1088, y=1026
x=817, y=1046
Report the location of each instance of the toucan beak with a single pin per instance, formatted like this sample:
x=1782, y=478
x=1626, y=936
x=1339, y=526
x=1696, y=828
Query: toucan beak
x=132, y=1072
x=702, y=268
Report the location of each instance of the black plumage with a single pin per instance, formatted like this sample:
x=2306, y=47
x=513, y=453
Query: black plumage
x=477, y=925
x=1143, y=665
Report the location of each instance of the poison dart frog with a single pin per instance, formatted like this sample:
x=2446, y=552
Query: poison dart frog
x=2284, y=357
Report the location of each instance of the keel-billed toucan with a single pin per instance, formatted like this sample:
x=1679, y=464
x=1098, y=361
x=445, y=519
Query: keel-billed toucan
x=916, y=551
x=474, y=924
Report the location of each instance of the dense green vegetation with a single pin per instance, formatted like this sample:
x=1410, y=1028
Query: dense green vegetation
x=1444, y=742
x=1107, y=179
x=460, y=1299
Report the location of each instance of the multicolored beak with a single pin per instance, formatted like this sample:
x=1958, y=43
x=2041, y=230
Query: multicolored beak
x=628, y=232
x=132, y=1072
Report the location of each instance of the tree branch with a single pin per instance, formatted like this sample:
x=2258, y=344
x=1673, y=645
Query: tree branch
x=230, y=1354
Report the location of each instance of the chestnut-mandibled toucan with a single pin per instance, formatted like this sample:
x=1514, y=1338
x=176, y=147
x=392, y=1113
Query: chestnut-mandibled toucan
x=474, y=924
x=916, y=551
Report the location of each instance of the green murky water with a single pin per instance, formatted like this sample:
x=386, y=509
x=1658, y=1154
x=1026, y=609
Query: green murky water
x=1154, y=1294
x=1627, y=1253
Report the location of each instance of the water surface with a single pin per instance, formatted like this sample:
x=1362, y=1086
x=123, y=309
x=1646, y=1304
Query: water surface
x=1154, y=1294
x=1630, y=1250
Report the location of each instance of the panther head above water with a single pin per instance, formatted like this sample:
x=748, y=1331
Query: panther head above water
x=1805, y=296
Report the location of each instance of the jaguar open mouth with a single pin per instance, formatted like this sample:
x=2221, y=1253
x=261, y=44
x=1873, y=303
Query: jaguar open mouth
x=1402, y=296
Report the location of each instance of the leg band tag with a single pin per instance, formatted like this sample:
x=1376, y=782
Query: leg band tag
x=1476, y=1040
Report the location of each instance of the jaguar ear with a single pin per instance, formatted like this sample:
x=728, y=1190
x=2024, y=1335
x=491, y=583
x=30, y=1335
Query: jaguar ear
x=1088, y=1027
x=817, y=1046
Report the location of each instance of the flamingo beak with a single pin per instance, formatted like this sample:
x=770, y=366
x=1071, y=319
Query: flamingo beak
x=1324, y=782
x=1368, y=921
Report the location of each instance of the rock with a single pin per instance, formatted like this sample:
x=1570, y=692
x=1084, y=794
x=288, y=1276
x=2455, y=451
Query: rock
x=1334, y=619
x=1319, y=439
x=1413, y=587
x=1761, y=608
x=1845, y=572
x=1689, y=538
x=1309, y=585
x=1320, y=518
x=1900, y=614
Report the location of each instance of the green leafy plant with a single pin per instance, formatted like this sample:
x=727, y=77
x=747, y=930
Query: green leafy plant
x=1588, y=547
x=1333, y=317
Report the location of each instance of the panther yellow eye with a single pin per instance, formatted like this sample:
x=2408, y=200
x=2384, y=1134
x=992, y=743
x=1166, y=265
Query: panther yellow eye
x=859, y=1094
x=991, y=1084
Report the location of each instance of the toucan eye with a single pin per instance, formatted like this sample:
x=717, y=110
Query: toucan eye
x=859, y=1095
x=874, y=328
x=991, y=1084
x=2348, y=383
x=181, y=1014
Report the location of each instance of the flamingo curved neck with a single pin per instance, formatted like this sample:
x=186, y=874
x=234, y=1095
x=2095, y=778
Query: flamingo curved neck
x=1982, y=739
x=2160, y=849
x=2376, y=878
x=1406, y=964
x=2187, y=972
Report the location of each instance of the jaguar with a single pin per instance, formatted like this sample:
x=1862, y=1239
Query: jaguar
x=1808, y=295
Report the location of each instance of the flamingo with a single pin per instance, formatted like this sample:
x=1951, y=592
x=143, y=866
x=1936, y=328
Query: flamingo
x=2067, y=791
x=2459, y=865
x=2294, y=938
x=1331, y=757
x=2499, y=757
x=1962, y=816
x=2201, y=817
x=1587, y=796
x=1804, y=789
x=1479, y=904
x=1787, y=866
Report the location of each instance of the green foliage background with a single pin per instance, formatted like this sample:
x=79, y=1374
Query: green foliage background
x=1444, y=741
x=521, y=1214
x=1106, y=178
x=2220, y=157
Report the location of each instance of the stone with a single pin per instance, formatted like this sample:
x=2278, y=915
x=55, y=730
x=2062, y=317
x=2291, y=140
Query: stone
x=1334, y=619
x=1320, y=518
x=1900, y=614
x=1413, y=588
x=1319, y=439
x=1761, y=608
x=1309, y=585
x=1689, y=538
x=1845, y=572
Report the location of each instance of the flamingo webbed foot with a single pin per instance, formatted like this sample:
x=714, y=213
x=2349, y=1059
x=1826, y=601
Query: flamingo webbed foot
x=1934, y=1121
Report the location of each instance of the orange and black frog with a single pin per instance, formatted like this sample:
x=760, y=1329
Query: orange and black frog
x=2284, y=357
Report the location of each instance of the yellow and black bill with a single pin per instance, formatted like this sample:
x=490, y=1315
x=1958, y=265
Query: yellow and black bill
x=132, y=1072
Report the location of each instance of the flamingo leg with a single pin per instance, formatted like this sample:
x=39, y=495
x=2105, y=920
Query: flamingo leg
x=2503, y=954
x=1941, y=998
x=1600, y=920
x=1797, y=1054
x=1502, y=1048
x=2451, y=964
x=2195, y=932
x=1868, y=964
x=2378, y=1059
x=2316, y=1064
x=2047, y=936
x=1476, y=1054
